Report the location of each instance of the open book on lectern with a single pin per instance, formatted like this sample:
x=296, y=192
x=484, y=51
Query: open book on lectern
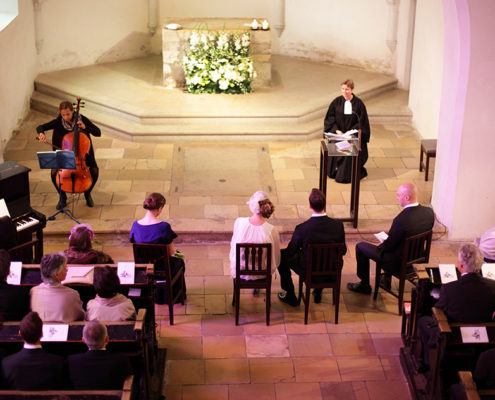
x=57, y=159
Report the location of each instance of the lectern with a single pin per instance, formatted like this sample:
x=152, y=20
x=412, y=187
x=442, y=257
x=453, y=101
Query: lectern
x=330, y=149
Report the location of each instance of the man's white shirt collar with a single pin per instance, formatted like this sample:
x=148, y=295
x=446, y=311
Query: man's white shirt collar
x=319, y=215
x=411, y=205
x=32, y=346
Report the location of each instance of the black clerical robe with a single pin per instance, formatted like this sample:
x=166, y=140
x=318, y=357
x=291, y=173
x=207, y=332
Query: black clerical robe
x=339, y=168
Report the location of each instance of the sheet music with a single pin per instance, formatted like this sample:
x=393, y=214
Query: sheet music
x=345, y=136
x=126, y=272
x=381, y=236
x=474, y=334
x=55, y=332
x=4, y=211
x=14, y=277
x=447, y=273
x=488, y=271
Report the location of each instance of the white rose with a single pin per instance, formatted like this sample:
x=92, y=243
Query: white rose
x=223, y=84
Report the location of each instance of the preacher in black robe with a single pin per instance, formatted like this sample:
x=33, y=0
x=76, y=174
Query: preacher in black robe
x=339, y=168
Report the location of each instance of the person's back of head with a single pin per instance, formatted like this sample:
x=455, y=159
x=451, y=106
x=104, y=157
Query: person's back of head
x=106, y=282
x=51, y=264
x=4, y=264
x=317, y=200
x=81, y=237
x=470, y=257
x=31, y=328
x=95, y=335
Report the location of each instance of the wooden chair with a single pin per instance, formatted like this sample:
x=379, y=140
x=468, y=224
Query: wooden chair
x=29, y=252
x=257, y=263
x=323, y=270
x=429, y=149
x=157, y=254
x=416, y=251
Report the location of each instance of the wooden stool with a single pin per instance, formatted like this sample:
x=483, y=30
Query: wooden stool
x=428, y=147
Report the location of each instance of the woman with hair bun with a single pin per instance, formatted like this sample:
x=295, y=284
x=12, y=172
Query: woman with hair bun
x=256, y=229
x=150, y=229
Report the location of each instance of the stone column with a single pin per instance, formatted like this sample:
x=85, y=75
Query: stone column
x=464, y=182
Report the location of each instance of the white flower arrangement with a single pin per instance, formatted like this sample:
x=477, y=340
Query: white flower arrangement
x=218, y=62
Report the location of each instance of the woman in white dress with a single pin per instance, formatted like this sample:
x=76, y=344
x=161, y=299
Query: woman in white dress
x=256, y=229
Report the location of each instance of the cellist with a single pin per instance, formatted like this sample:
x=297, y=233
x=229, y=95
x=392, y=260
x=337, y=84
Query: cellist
x=62, y=125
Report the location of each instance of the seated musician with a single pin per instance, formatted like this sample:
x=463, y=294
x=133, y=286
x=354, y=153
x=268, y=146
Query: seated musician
x=80, y=249
x=63, y=124
x=98, y=369
x=14, y=300
x=51, y=300
x=109, y=304
x=32, y=368
x=471, y=299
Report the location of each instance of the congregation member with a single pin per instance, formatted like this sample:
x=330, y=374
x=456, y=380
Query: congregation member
x=345, y=113
x=255, y=229
x=98, y=369
x=412, y=220
x=80, y=249
x=32, y=368
x=150, y=229
x=486, y=244
x=53, y=301
x=14, y=300
x=470, y=299
x=109, y=304
x=63, y=124
x=318, y=229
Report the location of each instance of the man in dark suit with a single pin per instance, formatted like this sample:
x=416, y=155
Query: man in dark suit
x=318, y=229
x=412, y=220
x=32, y=368
x=470, y=299
x=14, y=300
x=98, y=369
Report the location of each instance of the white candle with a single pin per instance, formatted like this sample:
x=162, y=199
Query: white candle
x=265, y=26
x=254, y=24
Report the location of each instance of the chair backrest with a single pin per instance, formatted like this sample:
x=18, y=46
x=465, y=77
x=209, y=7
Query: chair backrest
x=25, y=252
x=254, y=259
x=324, y=260
x=149, y=252
x=417, y=249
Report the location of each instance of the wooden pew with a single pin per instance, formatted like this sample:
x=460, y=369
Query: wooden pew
x=470, y=390
x=127, y=337
x=125, y=394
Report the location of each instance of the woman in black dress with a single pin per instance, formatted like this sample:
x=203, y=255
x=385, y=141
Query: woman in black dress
x=345, y=113
x=62, y=125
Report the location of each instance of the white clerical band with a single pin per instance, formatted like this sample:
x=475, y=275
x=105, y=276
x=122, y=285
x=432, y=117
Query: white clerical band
x=347, y=107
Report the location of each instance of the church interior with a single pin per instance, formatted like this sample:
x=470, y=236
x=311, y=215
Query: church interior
x=423, y=68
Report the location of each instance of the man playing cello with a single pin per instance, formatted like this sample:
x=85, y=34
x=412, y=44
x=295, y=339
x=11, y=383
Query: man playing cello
x=63, y=124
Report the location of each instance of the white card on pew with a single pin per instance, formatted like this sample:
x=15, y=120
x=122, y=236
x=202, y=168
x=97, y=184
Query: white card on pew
x=474, y=334
x=79, y=275
x=488, y=271
x=126, y=272
x=134, y=292
x=447, y=273
x=14, y=277
x=55, y=332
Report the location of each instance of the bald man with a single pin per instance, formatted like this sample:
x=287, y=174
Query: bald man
x=412, y=220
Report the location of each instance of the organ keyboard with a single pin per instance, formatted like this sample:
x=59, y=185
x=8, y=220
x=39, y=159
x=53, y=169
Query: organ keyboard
x=14, y=189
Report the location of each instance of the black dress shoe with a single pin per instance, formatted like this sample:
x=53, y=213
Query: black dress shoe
x=359, y=287
x=386, y=281
x=317, y=296
x=89, y=200
x=289, y=298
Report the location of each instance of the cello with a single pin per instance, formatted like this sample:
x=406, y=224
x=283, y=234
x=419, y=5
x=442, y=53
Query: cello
x=76, y=180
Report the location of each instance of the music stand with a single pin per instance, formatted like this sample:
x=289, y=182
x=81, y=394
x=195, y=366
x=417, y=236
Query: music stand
x=60, y=159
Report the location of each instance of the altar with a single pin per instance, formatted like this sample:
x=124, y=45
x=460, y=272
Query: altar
x=175, y=41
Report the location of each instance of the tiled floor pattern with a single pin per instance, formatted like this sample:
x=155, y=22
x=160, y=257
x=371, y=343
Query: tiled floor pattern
x=208, y=184
x=208, y=357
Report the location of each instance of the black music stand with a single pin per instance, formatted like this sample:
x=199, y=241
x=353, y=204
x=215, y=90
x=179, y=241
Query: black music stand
x=60, y=159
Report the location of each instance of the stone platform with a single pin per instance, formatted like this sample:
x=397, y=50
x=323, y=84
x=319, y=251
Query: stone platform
x=128, y=100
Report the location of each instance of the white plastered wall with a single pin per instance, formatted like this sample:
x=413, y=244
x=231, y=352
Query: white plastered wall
x=427, y=67
x=17, y=70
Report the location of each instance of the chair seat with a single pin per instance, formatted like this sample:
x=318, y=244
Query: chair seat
x=429, y=146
